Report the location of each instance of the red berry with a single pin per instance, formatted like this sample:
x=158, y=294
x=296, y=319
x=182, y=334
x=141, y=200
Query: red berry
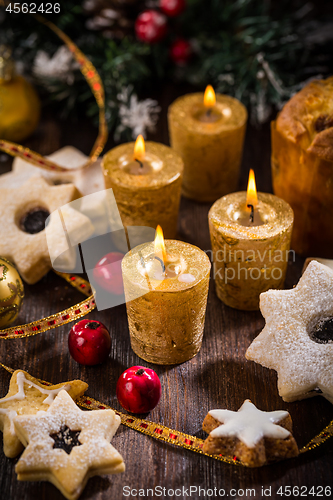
x=181, y=51
x=107, y=273
x=172, y=8
x=138, y=389
x=89, y=342
x=151, y=26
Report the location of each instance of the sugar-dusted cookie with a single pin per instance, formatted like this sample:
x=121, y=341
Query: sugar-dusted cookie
x=27, y=396
x=23, y=212
x=253, y=436
x=88, y=180
x=326, y=262
x=297, y=340
x=67, y=446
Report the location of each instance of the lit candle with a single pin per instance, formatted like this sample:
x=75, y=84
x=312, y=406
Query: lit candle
x=146, y=181
x=250, y=235
x=208, y=132
x=250, y=216
x=166, y=287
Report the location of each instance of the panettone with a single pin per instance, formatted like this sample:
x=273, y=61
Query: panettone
x=302, y=165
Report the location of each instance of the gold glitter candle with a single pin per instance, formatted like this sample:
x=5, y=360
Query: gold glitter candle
x=145, y=183
x=209, y=137
x=166, y=304
x=250, y=238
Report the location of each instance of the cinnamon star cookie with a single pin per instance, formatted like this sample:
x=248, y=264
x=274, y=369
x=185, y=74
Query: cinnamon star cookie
x=253, y=436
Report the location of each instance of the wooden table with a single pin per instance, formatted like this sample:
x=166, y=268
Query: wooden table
x=218, y=377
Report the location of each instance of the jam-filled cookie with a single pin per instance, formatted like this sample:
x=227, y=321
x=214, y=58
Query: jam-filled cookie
x=67, y=446
x=23, y=214
x=27, y=396
x=297, y=340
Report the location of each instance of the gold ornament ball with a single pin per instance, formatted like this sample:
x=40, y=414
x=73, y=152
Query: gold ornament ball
x=11, y=292
x=19, y=109
x=19, y=102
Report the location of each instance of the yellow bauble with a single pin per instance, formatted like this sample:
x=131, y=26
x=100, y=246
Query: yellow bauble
x=19, y=103
x=11, y=292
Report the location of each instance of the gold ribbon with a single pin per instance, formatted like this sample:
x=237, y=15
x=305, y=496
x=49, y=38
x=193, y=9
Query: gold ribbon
x=95, y=83
x=13, y=149
x=157, y=431
x=58, y=319
x=177, y=438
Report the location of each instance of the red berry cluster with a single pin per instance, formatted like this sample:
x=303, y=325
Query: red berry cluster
x=151, y=26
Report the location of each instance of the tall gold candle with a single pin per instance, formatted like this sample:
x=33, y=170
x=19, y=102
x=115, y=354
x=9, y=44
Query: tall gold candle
x=250, y=238
x=166, y=306
x=146, y=184
x=209, y=137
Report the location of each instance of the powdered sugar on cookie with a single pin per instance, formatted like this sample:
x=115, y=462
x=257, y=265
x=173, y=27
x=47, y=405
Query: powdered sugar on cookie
x=90, y=452
x=27, y=396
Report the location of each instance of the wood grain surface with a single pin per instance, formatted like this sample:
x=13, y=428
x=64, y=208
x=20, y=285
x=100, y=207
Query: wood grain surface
x=218, y=377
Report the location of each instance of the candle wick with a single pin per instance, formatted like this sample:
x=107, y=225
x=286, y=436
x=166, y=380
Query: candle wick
x=252, y=212
x=139, y=162
x=209, y=112
x=162, y=263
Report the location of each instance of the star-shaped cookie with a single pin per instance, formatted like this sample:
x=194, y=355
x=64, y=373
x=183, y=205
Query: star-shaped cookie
x=86, y=435
x=24, y=245
x=87, y=180
x=295, y=340
x=255, y=437
x=326, y=262
x=27, y=396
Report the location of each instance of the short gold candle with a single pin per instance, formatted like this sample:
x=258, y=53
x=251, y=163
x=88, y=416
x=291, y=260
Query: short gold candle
x=249, y=260
x=211, y=150
x=151, y=197
x=166, y=318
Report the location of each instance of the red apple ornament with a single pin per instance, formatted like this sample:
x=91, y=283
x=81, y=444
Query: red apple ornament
x=151, y=26
x=89, y=342
x=181, y=51
x=172, y=8
x=107, y=273
x=138, y=389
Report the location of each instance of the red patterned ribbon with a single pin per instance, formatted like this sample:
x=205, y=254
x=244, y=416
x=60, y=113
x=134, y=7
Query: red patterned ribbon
x=177, y=438
x=61, y=318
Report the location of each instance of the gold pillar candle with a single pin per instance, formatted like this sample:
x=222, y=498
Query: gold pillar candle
x=249, y=257
x=210, y=139
x=146, y=184
x=166, y=310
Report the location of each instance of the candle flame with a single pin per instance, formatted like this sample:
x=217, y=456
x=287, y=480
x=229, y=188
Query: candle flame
x=139, y=148
x=251, y=197
x=209, y=97
x=159, y=246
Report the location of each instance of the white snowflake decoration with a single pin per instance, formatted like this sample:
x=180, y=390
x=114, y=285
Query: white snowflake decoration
x=60, y=66
x=139, y=116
